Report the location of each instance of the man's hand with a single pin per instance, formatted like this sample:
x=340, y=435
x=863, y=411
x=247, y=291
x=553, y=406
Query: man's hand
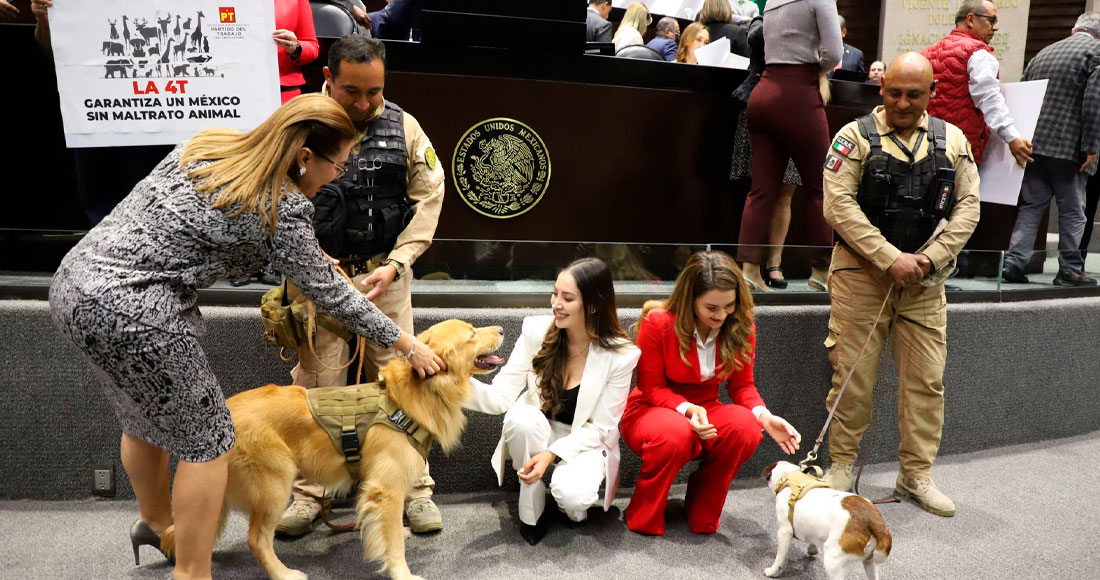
x=1021, y=150
x=698, y=417
x=7, y=11
x=360, y=16
x=925, y=265
x=1090, y=158
x=532, y=471
x=380, y=278
x=907, y=269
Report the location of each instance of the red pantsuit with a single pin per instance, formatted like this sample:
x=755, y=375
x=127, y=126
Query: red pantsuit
x=664, y=438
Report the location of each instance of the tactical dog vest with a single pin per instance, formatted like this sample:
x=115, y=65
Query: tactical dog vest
x=346, y=413
x=800, y=483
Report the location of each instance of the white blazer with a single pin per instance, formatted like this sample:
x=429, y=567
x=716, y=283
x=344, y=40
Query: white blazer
x=604, y=387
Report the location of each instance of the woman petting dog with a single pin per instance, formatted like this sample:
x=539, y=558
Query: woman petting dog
x=576, y=366
x=698, y=339
x=219, y=206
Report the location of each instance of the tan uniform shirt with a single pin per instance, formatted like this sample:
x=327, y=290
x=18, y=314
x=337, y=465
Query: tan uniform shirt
x=425, y=189
x=844, y=172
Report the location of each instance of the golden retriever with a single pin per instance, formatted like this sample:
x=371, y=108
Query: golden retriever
x=277, y=438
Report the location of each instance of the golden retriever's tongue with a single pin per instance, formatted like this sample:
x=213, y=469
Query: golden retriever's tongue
x=488, y=361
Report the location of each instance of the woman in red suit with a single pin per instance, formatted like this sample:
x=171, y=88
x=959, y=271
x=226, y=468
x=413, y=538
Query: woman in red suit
x=297, y=44
x=692, y=343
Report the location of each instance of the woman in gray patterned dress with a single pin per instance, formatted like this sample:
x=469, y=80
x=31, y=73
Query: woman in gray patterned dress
x=218, y=206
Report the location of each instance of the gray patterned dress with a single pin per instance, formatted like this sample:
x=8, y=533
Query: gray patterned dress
x=126, y=296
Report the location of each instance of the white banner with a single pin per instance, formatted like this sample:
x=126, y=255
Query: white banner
x=153, y=72
x=1001, y=176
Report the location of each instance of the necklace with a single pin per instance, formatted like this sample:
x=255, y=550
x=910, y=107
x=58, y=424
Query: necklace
x=573, y=356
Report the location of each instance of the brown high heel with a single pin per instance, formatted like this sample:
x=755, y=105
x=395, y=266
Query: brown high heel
x=142, y=535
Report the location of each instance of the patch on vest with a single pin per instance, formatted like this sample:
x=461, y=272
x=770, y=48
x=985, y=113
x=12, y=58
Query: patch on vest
x=501, y=168
x=843, y=146
x=429, y=158
x=833, y=163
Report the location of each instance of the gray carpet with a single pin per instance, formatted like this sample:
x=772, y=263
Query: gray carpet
x=1029, y=520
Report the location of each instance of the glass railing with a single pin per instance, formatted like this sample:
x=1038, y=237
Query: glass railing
x=640, y=270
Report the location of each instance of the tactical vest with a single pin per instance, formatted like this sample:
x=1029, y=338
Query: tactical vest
x=904, y=200
x=346, y=413
x=374, y=193
x=800, y=483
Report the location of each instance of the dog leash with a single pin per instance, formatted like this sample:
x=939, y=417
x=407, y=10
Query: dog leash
x=806, y=465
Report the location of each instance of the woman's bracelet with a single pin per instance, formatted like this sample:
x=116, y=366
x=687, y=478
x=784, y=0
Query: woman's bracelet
x=412, y=350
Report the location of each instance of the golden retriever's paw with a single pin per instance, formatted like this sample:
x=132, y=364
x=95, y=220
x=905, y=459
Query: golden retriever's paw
x=291, y=575
x=773, y=571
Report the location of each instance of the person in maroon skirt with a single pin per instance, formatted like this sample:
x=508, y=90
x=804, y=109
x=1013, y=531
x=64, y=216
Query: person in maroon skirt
x=786, y=113
x=699, y=339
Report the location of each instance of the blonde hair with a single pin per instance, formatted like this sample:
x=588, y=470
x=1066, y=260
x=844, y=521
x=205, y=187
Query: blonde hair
x=250, y=169
x=687, y=39
x=706, y=271
x=636, y=17
x=716, y=11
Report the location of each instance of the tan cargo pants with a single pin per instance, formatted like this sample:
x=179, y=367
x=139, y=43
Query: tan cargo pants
x=395, y=302
x=918, y=341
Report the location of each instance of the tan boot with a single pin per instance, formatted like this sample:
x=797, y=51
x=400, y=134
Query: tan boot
x=839, y=476
x=423, y=515
x=923, y=491
x=298, y=519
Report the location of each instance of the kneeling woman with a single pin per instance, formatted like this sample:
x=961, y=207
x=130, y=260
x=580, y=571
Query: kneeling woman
x=576, y=367
x=692, y=343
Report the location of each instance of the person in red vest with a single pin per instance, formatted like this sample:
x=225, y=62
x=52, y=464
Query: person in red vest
x=967, y=90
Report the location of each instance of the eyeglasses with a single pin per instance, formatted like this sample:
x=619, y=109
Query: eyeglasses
x=343, y=170
x=992, y=19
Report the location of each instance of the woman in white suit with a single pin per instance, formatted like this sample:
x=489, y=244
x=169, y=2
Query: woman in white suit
x=575, y=366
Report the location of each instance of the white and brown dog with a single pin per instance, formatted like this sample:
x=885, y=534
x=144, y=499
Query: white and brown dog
x=844, y=527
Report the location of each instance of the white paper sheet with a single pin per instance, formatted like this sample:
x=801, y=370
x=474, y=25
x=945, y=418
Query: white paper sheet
x=146, y=72
x=718, y=53
x=1001, y=176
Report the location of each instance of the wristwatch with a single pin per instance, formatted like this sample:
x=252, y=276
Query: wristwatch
x=397, y=266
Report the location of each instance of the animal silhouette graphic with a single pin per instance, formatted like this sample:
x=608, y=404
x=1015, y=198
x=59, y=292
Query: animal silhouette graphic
x=176, y=30
x=125, y=31
x=114, y=31
x=118, y=65
x=164, y=22
x=196, y=36
x=187, y=24
x=146, y=32
x=205, y=45
x=112, y=48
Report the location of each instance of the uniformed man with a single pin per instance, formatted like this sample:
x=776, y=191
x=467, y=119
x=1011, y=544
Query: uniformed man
x=901, y=190
x=376, y=219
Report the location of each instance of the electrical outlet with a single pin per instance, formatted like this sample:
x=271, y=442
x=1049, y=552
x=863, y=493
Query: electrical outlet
x=103, y=481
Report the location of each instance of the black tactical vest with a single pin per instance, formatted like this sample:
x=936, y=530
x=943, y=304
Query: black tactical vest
x=899, y=196
x=362, y=213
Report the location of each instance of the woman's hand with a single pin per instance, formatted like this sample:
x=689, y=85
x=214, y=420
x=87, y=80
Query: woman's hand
x=784, y=434
x=39, y=7
x=286, y=39
x=532, y=471
x=424, y=361
x=697, y=416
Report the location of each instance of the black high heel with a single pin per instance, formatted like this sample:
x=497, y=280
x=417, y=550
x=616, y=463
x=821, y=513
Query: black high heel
x=534, y=534
x=142, y=535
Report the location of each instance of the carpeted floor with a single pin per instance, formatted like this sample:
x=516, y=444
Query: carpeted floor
x=1024, y=513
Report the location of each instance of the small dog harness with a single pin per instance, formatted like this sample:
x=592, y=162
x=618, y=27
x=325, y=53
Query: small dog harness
x=346, y=413
x=800, y=483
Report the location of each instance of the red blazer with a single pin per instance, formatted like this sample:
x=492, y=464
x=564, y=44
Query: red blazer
x=297, y=17
x=665, y=381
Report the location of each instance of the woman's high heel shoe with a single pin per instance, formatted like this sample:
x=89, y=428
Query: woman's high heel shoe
x=142, y=535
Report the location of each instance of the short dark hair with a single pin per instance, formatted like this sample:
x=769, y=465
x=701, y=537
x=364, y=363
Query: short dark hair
x=666, y=23
x=357, y=49
x=970, y=7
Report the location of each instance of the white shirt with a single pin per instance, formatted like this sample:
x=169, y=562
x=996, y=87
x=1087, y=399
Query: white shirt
x=985, y=91
x=626, y=36
x=708, y=352
x=744, y=11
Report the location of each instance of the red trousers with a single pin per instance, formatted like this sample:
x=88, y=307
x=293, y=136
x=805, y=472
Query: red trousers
x=786, y=121
x=665, y=441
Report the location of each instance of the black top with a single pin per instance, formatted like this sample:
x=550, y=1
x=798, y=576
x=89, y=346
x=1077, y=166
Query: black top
x=568, y=406
x=737, y=34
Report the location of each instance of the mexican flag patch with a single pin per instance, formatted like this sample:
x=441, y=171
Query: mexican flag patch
x=843, y=146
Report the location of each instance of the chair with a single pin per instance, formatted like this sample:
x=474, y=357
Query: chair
x=333, y=19
x=639, y=51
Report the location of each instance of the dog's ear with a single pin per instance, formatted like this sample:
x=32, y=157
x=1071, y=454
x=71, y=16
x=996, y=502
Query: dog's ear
x=768, y=471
